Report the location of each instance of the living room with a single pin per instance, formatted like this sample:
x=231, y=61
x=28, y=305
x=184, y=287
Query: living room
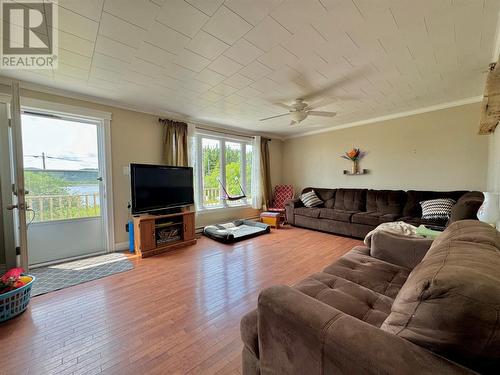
x=326, y=144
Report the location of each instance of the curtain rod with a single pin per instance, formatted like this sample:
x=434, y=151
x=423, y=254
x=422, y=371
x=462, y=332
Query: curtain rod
x=227, y=132
x=222, y=132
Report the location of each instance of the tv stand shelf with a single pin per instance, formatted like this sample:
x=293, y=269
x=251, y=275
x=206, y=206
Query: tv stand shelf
x=147, y=230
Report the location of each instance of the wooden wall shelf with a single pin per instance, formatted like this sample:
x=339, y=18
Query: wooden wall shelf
x=148, y=240
x=349, y=173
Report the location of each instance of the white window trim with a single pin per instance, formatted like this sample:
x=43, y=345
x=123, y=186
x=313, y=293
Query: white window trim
x=243, y=141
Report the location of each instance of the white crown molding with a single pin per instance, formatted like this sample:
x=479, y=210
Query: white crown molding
x=131, y=107
x=392, y=116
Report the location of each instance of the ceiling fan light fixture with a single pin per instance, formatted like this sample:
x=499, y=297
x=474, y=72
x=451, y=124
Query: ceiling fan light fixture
x=298, y=116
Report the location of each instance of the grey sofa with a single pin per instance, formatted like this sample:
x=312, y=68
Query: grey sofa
x=395, y=308
x=355, y=212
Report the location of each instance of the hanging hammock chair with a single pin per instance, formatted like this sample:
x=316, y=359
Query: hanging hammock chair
x=228, y=197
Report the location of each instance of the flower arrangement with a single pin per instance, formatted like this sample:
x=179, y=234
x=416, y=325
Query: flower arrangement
x=13, y=279
x=354, y=154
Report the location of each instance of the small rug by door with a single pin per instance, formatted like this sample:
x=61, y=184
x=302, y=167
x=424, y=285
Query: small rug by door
x=63, y=275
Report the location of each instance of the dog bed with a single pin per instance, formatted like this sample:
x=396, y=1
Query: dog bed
x=236, y=230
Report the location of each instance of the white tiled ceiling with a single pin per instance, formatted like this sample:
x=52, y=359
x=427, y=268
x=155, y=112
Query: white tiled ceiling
x=227, y=62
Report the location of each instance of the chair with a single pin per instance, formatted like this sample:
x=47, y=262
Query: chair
x=282, y=193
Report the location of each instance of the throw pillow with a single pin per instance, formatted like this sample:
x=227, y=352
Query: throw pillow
x=310, y=199
x=437, y=209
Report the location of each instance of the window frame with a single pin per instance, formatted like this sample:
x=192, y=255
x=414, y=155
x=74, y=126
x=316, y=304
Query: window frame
x=224, y=204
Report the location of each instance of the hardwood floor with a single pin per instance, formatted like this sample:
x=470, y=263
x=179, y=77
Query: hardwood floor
x=176, y=313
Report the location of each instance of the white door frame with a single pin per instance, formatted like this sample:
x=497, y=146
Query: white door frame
x=103, y=122
x=6, y=188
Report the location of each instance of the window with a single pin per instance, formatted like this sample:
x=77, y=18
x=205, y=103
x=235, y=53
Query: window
x=61, y=169
x=224, y=163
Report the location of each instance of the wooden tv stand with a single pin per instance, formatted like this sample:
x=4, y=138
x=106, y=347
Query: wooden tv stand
x=156, y=234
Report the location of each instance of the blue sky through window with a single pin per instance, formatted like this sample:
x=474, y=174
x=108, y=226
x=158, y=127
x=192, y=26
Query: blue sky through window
x=67, y=145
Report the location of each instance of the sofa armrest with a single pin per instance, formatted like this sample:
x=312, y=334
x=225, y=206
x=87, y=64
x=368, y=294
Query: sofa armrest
x=400, y=250
x=294, y=203
x=290, y=206
x=301, y=335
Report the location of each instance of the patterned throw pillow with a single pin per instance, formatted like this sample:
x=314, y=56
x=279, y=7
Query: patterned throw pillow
x=310, y=199
x=437, y=209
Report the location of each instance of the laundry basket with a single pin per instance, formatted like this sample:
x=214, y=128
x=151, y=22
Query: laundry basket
x=16, y=301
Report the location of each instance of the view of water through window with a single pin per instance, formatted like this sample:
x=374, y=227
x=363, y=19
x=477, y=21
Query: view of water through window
x=60, y=168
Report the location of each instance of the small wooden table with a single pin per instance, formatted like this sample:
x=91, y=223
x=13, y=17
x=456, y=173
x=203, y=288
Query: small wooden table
x=271, y=218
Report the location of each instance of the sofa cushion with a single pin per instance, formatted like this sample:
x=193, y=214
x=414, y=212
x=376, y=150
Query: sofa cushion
x=339, y=215
x=373, y=218
x=310, y=199
x=412, y=207
x=350, y=199
x=322, y=193
x=249, y=334
x=437, y=209
x=450, y=303
x=306, y=211
x=348, y=297
x=466, y=207
x=385, y=201
x=359, y=267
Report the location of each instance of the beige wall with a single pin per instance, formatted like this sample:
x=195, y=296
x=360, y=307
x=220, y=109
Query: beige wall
x=136, y=137
x=494, y=162
x=437, y=150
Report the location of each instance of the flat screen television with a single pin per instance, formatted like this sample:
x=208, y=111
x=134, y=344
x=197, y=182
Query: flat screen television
x=159, y=187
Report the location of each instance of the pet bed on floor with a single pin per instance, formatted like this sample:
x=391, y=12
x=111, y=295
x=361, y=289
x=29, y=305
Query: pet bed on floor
x=236, y=230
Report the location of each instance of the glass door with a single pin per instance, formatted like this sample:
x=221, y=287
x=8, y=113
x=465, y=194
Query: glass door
x=64, y=180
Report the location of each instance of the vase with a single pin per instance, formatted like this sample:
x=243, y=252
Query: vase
x=354, y=167
x=489, y=211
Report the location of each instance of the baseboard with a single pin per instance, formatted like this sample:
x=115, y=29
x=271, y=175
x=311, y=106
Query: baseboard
x=120, y=246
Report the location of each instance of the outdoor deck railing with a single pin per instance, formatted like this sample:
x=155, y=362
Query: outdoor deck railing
x=62, y=207
x=211, y=196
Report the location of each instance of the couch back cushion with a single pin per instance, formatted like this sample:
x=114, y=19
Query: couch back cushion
x=326, y=195
x=412, y=207
x=450, y=303
x=350, y=199
x=385, y=201
x=467, y=206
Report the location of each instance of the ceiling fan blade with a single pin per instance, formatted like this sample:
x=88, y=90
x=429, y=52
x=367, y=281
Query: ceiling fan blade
x=302, y=80
x=282, y=105
x=269, y=118
x=322, y=113
x=349, y=77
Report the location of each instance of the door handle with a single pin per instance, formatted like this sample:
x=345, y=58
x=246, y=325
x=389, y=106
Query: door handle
x=11, y=207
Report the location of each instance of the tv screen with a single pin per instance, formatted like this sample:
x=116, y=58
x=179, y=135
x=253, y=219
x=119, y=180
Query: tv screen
x=157, y=187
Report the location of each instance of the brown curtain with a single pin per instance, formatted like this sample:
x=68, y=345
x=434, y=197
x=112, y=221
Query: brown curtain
x=265, y=173
x=175, y=150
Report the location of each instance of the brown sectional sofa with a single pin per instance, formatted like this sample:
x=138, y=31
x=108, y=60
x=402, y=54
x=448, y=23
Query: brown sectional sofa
x=355, y=212
x=403, y=306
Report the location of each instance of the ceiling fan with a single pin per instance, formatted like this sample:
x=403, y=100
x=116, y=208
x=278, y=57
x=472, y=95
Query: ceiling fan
x=299, y=111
